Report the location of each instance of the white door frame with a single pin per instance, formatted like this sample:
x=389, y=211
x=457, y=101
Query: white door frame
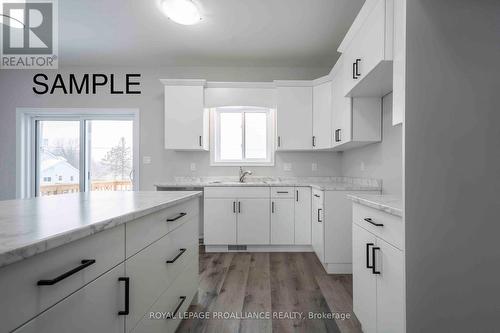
x=25, y=140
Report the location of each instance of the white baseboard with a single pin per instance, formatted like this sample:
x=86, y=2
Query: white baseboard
x=338, y=268
x=261, y=248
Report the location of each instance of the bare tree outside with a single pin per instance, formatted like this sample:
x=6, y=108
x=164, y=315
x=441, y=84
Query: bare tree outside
x=118, y=160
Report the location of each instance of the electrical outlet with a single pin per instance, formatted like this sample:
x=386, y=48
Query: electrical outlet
x=146, y=160
x=287, y=166
x=193, y=166
x=314, y=166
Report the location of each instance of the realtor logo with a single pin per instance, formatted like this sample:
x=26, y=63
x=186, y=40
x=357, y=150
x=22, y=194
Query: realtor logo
x=29, y=34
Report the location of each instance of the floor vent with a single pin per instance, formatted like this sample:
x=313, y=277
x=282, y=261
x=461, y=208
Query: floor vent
x=236, y=247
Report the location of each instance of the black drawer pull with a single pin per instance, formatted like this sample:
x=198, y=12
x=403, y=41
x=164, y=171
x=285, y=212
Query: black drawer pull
x=368, y=255
x=319, y=214
x=282, y=192
x=85, y=263
x=374, y=267
x=182, y=299
x=317, y=196
x=369, y=220
x=272, y=207
x=172, y=219
x=127, y=296
x=181, y=252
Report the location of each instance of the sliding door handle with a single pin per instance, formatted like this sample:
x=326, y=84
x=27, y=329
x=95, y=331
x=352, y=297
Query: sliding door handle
x=368, y=255
x=374, y=265
x=127, y=296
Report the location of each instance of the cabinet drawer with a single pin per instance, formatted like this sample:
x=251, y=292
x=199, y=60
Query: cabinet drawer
x=146, y=230
x=282, y=192
x=392, y=229
x=237, y=192
x=177, y=297
x=153, y=269
x=23, y=298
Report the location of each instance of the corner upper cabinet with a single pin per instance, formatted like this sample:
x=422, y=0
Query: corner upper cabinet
x=369, y=52
x=322, y=113
x=294, y=108
x=186, y=119
x=356, y=121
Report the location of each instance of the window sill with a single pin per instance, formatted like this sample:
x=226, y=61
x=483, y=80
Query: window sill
x=249, y=164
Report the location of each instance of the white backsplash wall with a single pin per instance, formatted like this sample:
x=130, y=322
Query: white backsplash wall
x=379, y=160
x=328, y=164
x=16, y=91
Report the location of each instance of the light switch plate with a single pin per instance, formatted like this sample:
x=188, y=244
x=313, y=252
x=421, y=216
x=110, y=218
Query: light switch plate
x=287, y=166
x=314, y=166
x=146, y=160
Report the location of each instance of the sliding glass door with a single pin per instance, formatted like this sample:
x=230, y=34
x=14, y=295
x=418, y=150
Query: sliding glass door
x=76, y=154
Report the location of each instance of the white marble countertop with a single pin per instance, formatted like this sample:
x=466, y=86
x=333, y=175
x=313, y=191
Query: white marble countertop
x=322, y=183
x=32, y=226
x=387, y=203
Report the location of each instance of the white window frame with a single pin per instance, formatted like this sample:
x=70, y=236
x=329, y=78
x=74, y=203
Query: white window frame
x=26, y=141
x=215, y=136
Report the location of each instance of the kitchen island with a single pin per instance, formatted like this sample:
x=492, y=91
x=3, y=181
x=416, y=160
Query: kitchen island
x=97, y=262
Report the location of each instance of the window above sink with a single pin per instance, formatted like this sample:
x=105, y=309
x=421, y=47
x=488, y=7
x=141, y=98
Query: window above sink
x=242, y=136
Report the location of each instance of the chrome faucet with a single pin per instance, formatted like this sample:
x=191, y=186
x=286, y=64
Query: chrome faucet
x=243, y=174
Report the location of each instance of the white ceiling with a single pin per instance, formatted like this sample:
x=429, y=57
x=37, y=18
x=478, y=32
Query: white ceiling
x=302, y=33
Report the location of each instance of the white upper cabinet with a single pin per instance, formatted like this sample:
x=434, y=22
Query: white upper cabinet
x=355, y=121
x=294, y=105
x=186, y=119
x=368, y=57
x=399, y=62
x=322, y=114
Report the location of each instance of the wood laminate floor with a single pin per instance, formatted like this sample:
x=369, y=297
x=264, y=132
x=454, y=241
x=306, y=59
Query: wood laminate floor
x=270, y=285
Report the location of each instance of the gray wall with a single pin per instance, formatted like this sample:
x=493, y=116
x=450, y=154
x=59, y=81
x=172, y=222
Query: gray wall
x=379, y=160
x=15, y=91
x=452, y=166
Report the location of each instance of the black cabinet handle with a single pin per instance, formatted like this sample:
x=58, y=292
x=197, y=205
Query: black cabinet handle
x=172, y=219
x=374, y=266
x=317, y=196
x=368, y=255
x=354, y=71
x=182, y=299
x=234, y=206
x=84, y=264
x=279, y=141
x=369, y=220
x=239, y=206
x=200, y=142
x=181, y=252
x=282, y=192
x=272, y=207
x=319, y=214
x=314, y=141
x=127, y=296
x=357, y=68
x=297, y=197
x=337, y=135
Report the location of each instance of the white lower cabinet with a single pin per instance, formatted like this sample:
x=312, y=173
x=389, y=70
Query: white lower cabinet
x=317, y=227
x=94, y=308
x=302, y=212
x=378, y=282
x=253, y=221
x=282, y=221
x=220, y=221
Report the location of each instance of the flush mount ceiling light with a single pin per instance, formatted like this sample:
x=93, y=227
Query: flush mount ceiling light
x=181, y=11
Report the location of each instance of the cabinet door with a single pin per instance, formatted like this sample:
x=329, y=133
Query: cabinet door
x=341, y=108
x=364, y=282
x=253, y=221
x=318, y=227
x=294, y=118
x=390, y=288
x=322, y=113
x=282, y=221
x=185, y=118
x=303, y=215
x=94, y=308
x=219, y=221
